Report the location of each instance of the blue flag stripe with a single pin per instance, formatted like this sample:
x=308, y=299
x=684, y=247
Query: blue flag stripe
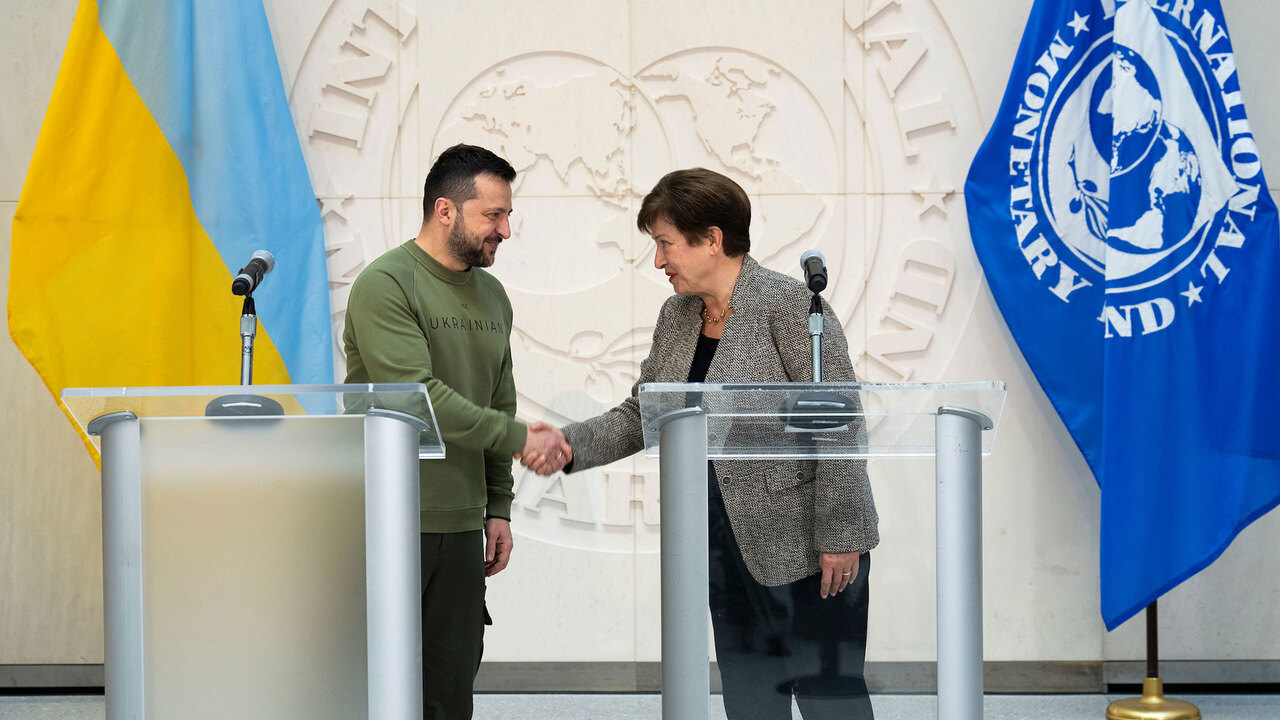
x=209, y=74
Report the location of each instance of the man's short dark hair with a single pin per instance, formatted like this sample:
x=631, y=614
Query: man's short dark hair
x=696, y=199
x=453, y=175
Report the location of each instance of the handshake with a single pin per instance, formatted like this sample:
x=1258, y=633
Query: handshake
x=545, y=450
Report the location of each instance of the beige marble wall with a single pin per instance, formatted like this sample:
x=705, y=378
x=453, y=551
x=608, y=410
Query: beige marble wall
x=847, y=140
x=50, y=518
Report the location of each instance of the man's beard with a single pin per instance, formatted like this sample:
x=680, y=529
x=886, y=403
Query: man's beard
x=464, y=248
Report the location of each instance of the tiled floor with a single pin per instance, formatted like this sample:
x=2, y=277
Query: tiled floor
x=647, y=707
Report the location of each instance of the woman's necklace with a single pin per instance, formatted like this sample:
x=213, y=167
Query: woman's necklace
x=708, y=319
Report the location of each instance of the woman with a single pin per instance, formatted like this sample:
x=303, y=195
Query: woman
x=789, y=539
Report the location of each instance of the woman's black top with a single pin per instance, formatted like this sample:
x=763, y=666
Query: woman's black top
x=702, y=355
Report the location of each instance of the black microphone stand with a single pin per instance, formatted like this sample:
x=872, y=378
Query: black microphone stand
x=815, y=332
x=248, y=331
x=245, y=404
x=812, y=412
x=809, y=414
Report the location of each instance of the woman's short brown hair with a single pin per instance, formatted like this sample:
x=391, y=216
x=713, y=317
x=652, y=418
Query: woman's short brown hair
x=695, y=200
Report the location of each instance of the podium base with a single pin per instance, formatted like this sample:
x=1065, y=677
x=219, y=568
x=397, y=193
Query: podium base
x=243, y=406
x=1153, y=705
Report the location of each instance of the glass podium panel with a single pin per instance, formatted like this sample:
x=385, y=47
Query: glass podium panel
x=260, y=548
x=774, y=635
x=757, y=421
x=228, y=402
x=253, y=571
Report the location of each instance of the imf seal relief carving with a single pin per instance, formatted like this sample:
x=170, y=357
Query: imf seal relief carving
x=717, y=107
x=574, y=184
x=906, y=81
x=589, y=139
x=1181, y=149
x=581, y=177
x=750, y=118
x=349, y=102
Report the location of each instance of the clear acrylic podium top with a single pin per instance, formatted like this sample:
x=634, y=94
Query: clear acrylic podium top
x=757, y=421
x=87, y=404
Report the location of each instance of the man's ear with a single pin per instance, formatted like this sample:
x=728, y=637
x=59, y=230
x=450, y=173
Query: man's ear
x=444, y=211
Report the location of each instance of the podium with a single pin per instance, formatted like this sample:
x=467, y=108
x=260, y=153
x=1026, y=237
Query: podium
x=686, y=424
x=261, y=565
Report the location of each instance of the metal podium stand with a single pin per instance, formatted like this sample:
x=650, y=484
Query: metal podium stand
x=261, y=566
x=693, y=422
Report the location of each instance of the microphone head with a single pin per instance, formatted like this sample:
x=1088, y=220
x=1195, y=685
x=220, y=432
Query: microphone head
x=251, y=274
x=268, y=259
x=815, y=270
x=804, y=259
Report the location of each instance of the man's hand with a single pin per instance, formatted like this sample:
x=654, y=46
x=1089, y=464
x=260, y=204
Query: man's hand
x=497, y=550
x=838, y=570
x=545, y=450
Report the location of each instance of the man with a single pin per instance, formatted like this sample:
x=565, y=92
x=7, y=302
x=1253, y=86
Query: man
x=425, y=312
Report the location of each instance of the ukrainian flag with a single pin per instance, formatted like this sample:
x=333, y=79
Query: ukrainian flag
x=167, y=157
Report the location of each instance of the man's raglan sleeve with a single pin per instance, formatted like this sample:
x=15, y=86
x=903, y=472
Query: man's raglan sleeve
x=393, y=348
x=497, y=465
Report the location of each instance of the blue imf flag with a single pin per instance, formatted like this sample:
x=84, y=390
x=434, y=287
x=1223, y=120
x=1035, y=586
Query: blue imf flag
x=1120, y=213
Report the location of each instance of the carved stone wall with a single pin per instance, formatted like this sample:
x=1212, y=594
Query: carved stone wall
x=850, y=124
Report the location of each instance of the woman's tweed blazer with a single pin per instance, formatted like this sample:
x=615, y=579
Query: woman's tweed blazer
x=783, y=512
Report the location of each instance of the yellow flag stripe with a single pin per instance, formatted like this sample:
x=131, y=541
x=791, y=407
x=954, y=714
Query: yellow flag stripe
x=119, y=284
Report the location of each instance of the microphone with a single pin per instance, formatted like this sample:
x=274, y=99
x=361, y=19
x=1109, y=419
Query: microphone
x=251, y=275
x=815, y=270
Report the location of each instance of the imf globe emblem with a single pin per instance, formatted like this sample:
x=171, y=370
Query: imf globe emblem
x=1134, y=170
x=1150, y=157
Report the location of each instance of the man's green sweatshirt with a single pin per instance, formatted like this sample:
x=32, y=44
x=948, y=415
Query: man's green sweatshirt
x=411, y=319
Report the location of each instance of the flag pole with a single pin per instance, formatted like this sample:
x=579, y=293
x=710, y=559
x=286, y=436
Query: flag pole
x=1153, y=705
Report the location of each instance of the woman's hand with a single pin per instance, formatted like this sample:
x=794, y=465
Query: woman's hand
x=838, y=570
x=546, y=452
